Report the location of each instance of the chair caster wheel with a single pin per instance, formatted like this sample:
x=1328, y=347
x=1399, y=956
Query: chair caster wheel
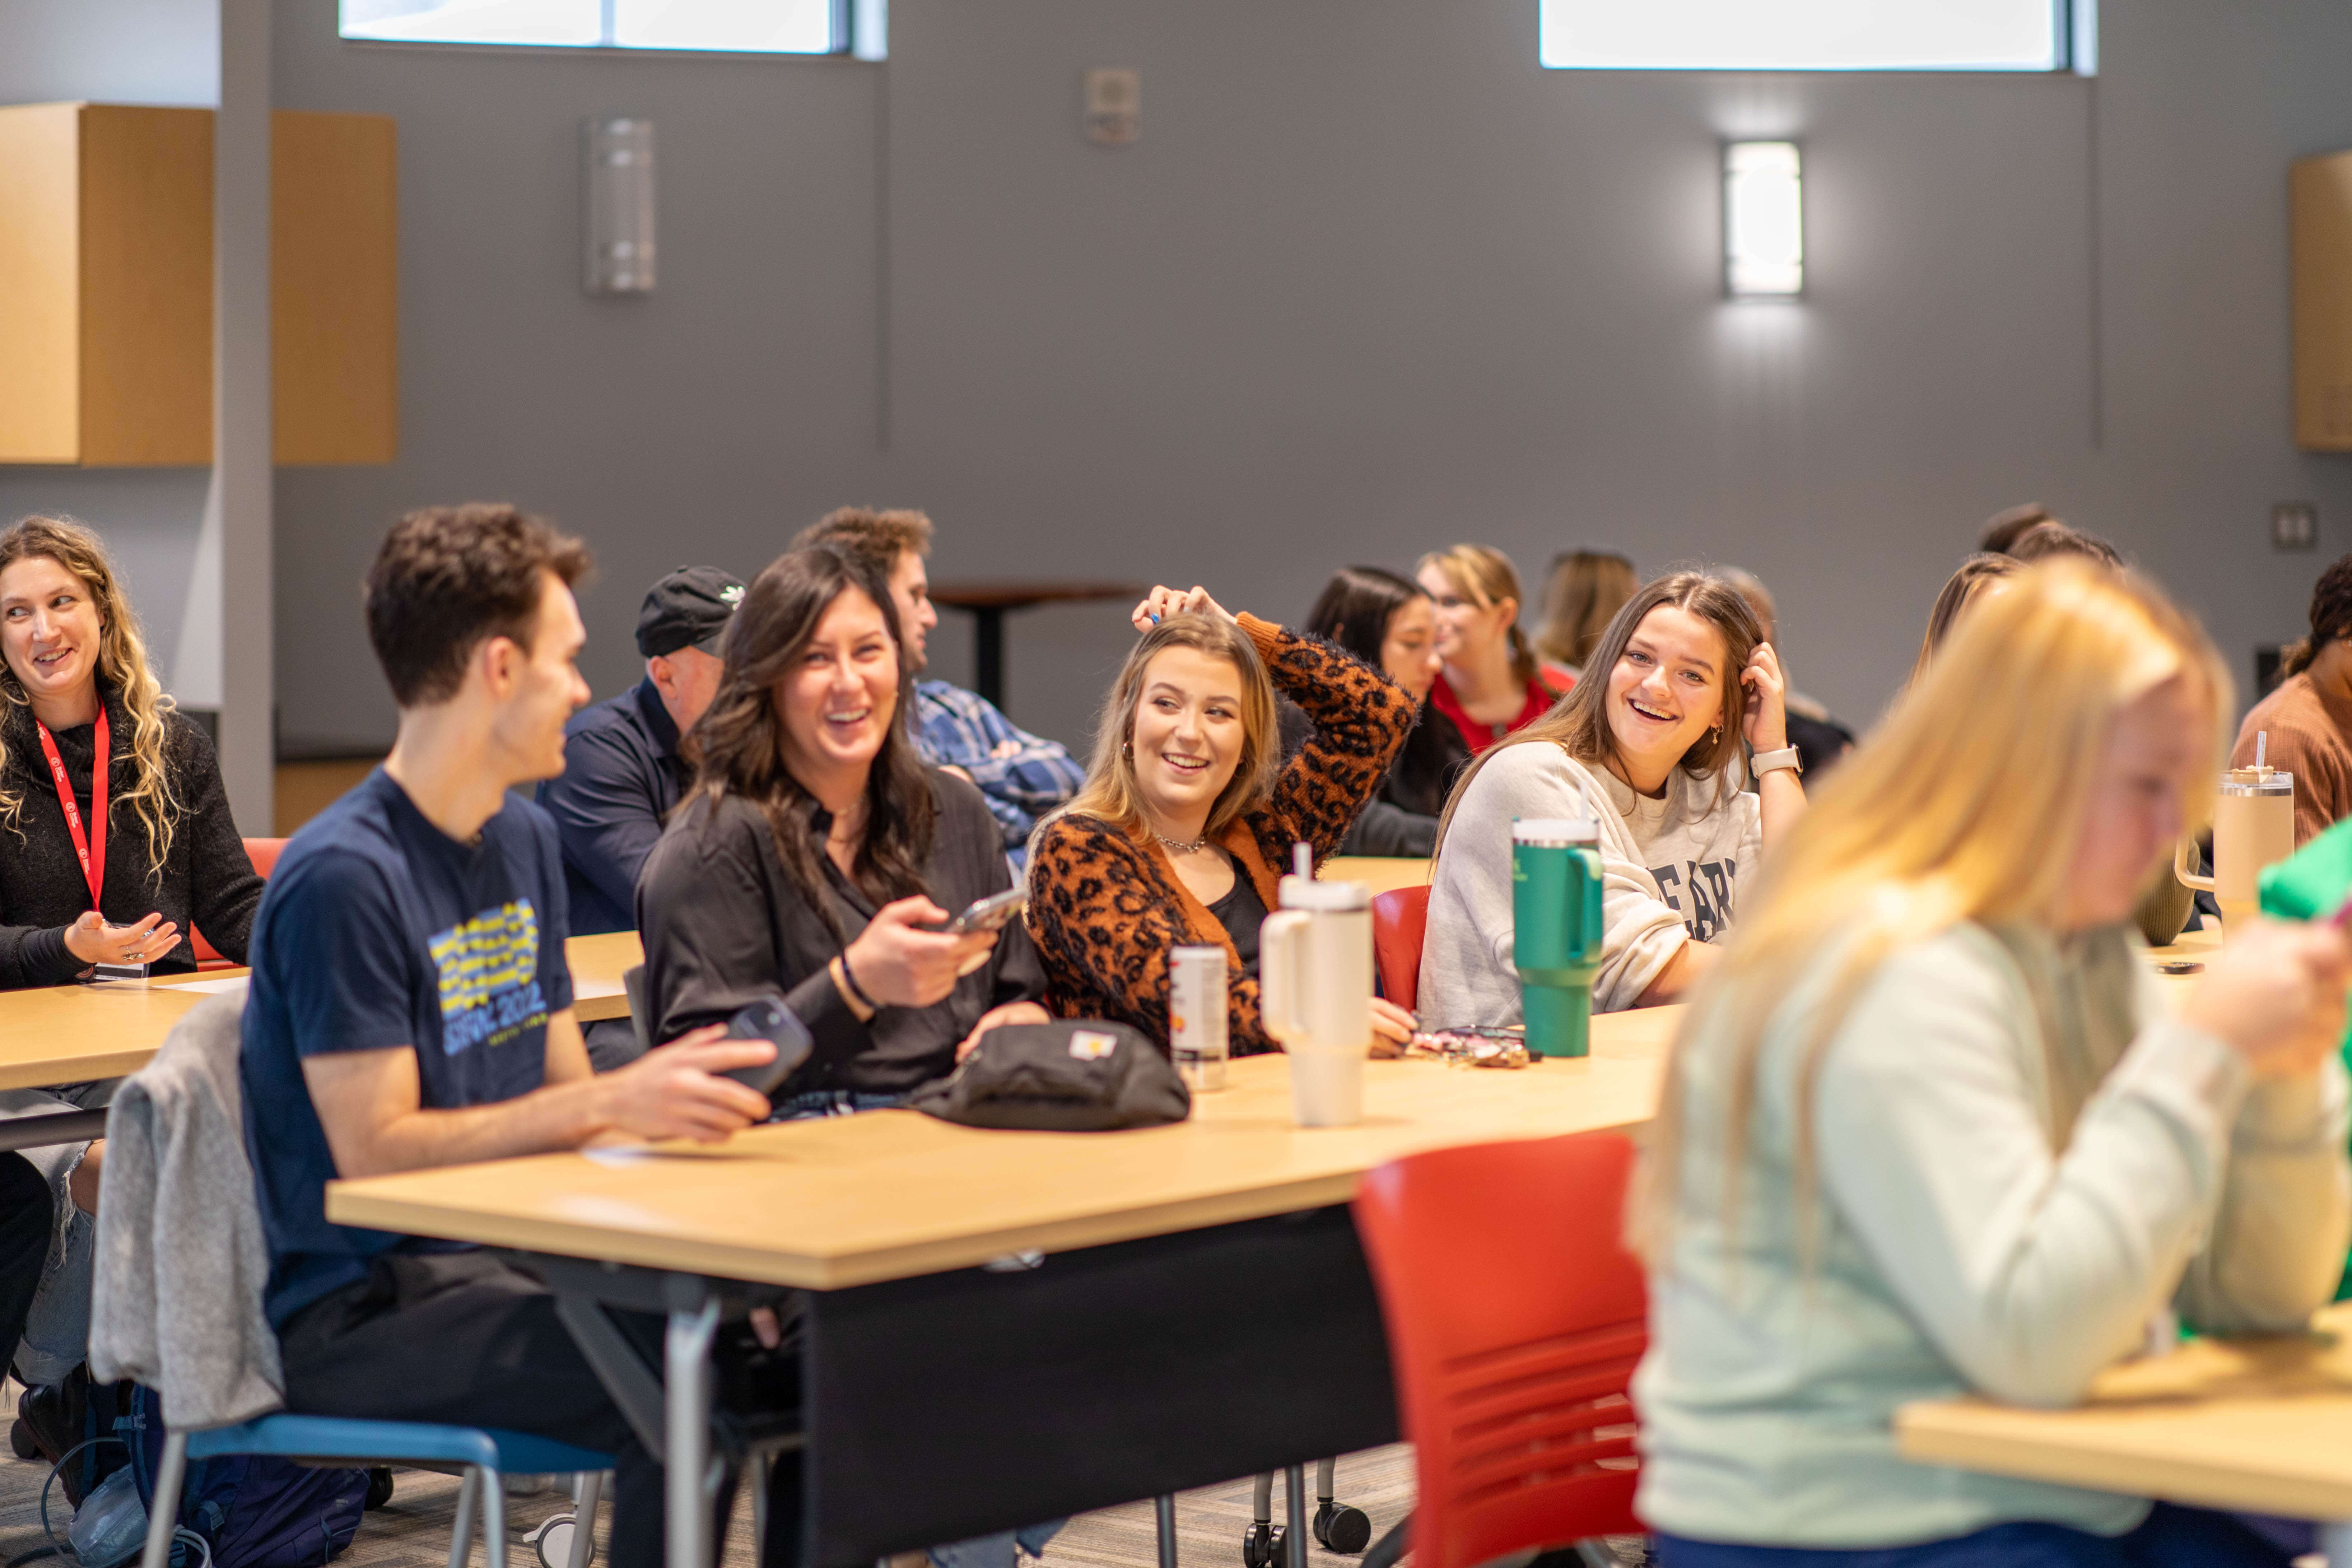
x=20, y=1440
x=379, y=1491
x=1262, y=1546
x=553, y=1541
x=1343, y=1529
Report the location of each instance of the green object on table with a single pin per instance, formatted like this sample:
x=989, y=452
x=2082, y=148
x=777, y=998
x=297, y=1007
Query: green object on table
x=2312, y=884
x=1556, y=944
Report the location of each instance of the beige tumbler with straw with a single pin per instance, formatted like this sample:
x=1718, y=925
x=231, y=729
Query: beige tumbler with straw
x=2253, y=826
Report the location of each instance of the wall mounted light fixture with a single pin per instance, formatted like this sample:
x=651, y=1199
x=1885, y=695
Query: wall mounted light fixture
x=618, y=206
x=1763, y=220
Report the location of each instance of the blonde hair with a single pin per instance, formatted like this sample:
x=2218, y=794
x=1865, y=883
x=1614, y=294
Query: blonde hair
x=1579, y=722
x=1586, y=590
x=1110, y=790
x=1485, y=576
x=1933, y=822
x=122, y=665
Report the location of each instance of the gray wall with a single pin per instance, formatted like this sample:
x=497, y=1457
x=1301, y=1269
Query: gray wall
x=120, y=51
x=1370, y=281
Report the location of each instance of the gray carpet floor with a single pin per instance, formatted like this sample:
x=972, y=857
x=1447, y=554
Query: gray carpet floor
x=412, y=1531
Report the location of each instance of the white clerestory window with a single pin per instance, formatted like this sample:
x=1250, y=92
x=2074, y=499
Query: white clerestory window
x=1818, y=35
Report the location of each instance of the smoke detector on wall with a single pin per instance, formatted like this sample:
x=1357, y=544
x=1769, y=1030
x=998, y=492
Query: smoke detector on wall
x=1114, y=105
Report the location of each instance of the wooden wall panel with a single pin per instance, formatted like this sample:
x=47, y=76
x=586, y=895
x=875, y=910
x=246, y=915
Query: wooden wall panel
x=2321, y=198
x=334, y=279
x=40, y=283
x=146, y=285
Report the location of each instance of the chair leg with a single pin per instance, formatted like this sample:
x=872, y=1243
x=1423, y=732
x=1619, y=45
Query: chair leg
x=1163, y=1509
x=1262, y=1500
x=583, y=1518
x=1326, y=1470
x=166, y=1512
x=763, y=1468
x=461, y=1536
x=494, y=1519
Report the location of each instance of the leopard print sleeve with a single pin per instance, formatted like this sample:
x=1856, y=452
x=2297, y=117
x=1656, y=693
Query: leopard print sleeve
x=1103, y=916
x=1361, y=719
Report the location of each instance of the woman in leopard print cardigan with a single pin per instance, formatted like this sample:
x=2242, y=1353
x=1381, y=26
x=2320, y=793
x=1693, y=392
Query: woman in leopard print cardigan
x=1186, y=819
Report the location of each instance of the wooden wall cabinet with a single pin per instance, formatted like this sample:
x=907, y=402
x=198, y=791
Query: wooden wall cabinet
x=106, y=286
x=2320, y=196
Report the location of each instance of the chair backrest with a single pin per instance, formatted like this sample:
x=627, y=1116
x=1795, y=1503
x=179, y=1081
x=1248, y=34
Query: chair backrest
x=1515, y=1320
x=1399, y=918
x=263, y=852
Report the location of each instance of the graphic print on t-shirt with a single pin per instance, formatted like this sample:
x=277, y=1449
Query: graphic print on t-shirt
x=1710, y=884
x=488, y=971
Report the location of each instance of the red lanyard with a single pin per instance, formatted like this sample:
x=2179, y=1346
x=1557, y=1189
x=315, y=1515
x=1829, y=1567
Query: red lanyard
x=92, y=849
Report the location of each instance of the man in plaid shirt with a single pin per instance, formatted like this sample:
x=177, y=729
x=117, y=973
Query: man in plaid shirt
x=1022, y=777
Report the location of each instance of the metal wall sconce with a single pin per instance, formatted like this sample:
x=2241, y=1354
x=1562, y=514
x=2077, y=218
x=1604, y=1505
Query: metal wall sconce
x=1763, y=220
x=617, y=173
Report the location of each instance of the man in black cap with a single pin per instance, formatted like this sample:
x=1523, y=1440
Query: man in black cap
x=622, y=772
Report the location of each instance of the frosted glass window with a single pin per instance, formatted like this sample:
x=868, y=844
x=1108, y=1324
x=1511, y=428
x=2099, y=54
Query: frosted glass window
x=743, y=26
x=1807, y=35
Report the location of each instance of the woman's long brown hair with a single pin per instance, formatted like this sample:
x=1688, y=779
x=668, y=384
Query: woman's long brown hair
x=121, y=669
x=738, y=746
x=1579, y=722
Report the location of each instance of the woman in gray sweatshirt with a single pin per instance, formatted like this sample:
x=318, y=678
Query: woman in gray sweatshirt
x=1682, y=702
x=1932, y=1129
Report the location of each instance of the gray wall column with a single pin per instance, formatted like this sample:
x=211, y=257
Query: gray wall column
x=242, y=475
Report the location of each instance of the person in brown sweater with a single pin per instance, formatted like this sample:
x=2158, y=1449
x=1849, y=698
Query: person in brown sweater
x=2309, y=718
x=1187, y=815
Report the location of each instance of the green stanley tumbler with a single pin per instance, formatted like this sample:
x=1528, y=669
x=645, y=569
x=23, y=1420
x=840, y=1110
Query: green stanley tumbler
x=1555, y=911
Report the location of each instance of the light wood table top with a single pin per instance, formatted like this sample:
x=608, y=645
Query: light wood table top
x=597, y=963
x=2259, y=1424
x=1381, y=873
x=847, y=1201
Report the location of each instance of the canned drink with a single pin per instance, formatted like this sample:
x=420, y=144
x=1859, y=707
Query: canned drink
x=1196, y=1016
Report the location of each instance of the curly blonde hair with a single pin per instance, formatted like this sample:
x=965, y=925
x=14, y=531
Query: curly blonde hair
x=122, y=665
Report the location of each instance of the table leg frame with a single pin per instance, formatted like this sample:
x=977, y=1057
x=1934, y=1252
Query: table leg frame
x=2336, y=1542
x=688, y=1475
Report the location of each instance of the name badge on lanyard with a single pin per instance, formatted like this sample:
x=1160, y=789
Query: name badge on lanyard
x=90, y=847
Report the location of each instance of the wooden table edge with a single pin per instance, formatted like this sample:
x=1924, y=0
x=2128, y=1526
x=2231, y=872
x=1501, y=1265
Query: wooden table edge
x=759, y=1265
x=1925, y=1433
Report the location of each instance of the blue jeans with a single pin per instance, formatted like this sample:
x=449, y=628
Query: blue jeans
x=2171, y=1537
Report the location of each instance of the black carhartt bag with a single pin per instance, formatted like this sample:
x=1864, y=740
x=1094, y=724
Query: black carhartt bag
x=1083, y=1076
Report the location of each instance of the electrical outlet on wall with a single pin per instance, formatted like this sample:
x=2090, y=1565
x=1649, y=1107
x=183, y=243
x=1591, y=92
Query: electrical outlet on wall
x=2294, y=525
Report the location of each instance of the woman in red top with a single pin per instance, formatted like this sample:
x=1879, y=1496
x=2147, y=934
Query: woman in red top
x=1491, y=684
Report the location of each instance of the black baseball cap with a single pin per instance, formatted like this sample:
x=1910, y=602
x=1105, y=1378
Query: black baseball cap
x=688, y=608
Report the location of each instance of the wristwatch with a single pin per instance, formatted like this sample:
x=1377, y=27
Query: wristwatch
x=1763, y=763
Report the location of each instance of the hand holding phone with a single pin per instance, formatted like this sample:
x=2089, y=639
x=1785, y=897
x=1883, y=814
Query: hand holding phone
x=990, y=914
x=768, y=1019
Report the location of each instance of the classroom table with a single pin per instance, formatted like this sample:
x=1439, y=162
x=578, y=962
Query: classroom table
x=2260, y=1425
x=1381, y=873
x=1204, y=1310
x=990, y=603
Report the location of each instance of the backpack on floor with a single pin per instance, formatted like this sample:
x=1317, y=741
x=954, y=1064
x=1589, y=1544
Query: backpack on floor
x=254, y=1510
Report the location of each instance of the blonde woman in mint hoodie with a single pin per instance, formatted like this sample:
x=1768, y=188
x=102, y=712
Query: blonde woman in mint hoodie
x=1932, y=1129
x=1682, y=702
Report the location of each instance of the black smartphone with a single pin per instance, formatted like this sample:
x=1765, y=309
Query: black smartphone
x=768, y=1019
x=991, y=913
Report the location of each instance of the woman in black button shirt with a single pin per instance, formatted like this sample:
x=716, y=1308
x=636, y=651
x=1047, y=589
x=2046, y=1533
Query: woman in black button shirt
x=815, y=852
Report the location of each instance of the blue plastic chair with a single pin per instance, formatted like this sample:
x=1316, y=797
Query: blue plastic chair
x=487, y=1454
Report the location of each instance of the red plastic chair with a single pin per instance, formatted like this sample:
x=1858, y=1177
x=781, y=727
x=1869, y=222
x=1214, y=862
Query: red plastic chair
x=1399, y=918
x=263, y=852
x=1515, y=1320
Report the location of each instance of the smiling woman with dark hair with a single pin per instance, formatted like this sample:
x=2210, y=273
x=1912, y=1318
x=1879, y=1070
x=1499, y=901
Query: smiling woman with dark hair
x=814, y=852
x=1653, y=744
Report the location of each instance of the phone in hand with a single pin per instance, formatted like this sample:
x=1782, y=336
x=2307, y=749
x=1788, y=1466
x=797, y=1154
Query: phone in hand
x=768, y=1019
x=991, y=913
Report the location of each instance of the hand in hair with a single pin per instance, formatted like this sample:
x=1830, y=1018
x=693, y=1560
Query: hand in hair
x=1010, y=1013
x=1162, y=603
x=1767, y=724
x=898, y=964
x=2275, y=996
x=92, y=941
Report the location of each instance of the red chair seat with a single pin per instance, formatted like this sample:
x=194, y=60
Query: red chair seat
x=263, y=852
x=1399, y=917
x=1515, y=1320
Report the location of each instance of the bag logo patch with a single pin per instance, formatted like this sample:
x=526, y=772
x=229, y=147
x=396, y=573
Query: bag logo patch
x=1092, y=1045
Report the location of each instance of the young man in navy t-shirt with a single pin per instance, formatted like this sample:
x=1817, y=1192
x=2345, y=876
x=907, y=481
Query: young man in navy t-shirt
x=410, y=1008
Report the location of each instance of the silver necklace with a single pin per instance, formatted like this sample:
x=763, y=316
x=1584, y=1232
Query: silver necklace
x=1179, y=846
